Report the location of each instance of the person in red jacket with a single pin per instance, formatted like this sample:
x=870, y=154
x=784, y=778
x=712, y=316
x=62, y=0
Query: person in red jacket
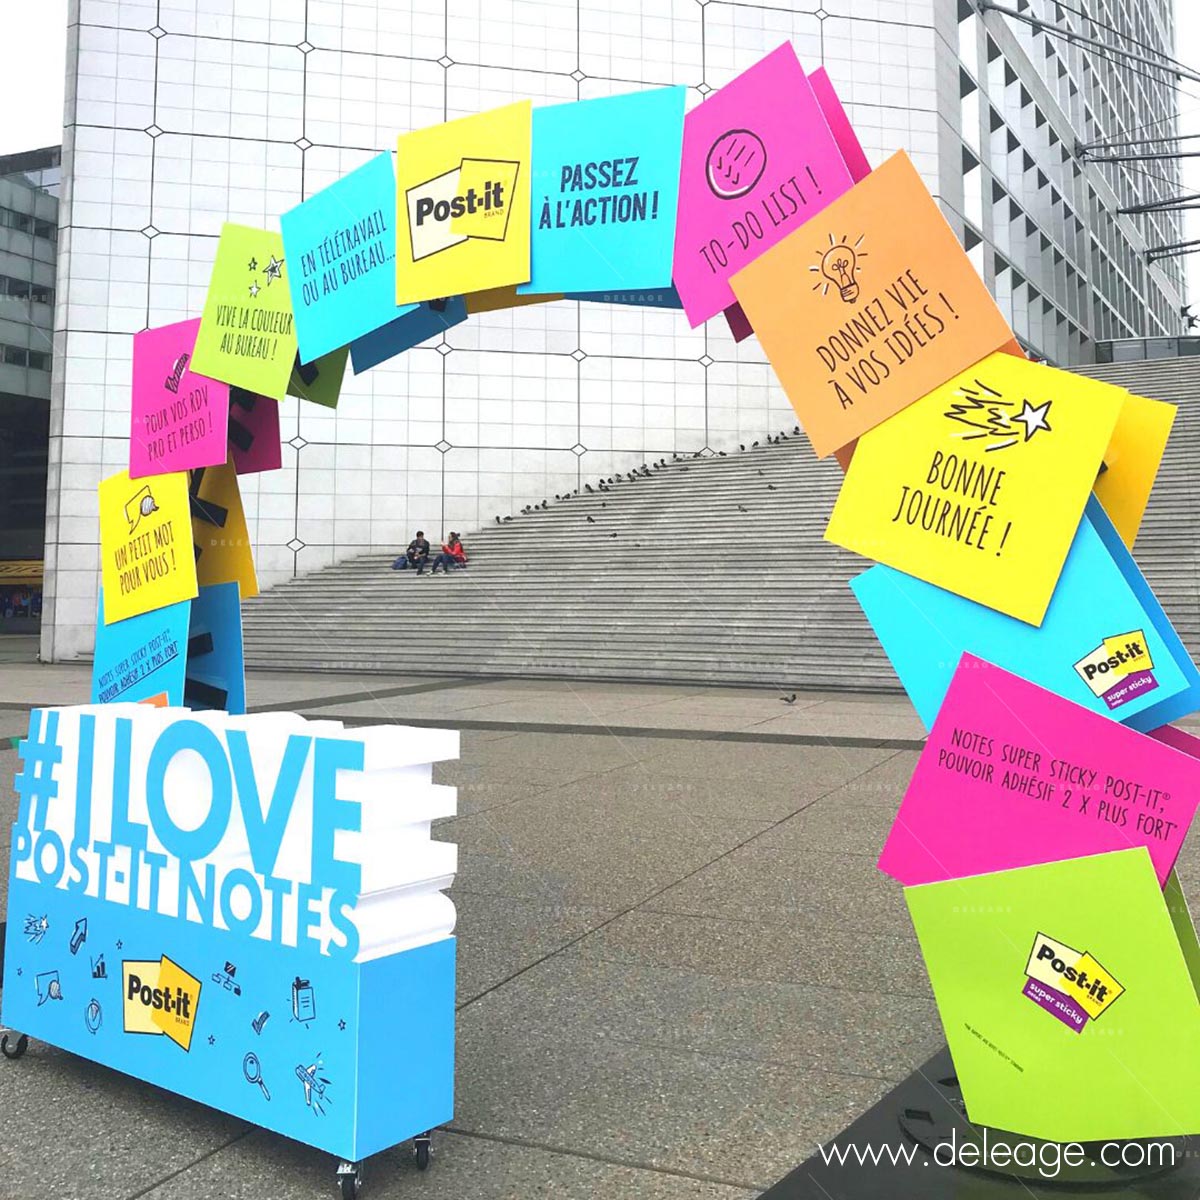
x=453, y=555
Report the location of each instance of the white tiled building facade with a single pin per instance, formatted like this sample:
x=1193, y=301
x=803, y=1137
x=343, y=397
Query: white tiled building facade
x=182, y=114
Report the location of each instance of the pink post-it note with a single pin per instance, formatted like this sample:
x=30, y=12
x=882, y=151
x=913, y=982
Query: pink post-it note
x=758, y=161
x=254, y=443
x=839, y=125
x=739, y=323
x=1013, y=776
x=177, y=419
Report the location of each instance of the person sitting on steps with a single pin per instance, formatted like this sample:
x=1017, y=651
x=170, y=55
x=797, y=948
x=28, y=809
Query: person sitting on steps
x=453, y=555
x=417, y=555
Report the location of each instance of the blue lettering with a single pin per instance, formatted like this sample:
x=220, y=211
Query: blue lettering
x=189, y=845
x=265, y=834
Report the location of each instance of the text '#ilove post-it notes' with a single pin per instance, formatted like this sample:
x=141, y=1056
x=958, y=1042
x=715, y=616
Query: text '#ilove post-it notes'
x=463, y=205
x=605, y=190
x=979, y=486
x=247, y=333
x=1018, y=960
x=1101, y=600
x=146, y=559
x=1012, y=775
x=1132, y=460
x=341, y=246
x=758, y=161
x=177, y=418
x=868, y=307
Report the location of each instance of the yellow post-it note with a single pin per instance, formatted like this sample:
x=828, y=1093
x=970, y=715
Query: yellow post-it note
x=180, y=992
x=223, y=552
x=979, y=486
x=495, y=299
x=247, y=333
x=1132, y=460
x=145, y=553
x=463, y=205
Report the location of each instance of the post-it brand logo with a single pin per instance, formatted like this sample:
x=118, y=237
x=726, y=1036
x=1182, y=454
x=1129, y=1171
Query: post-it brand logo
x=1119, y=669
x=471, y=201
x=1069, y=984
x=160, y=997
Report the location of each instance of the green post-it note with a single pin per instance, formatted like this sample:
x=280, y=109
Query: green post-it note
x=320, y=380
x=247, y=333
x=1066, y=997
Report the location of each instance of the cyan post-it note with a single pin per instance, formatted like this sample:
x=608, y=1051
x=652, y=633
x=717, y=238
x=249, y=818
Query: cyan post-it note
x=605, y=192
x=430, y=318
x=1105, y=642
x=341, y=248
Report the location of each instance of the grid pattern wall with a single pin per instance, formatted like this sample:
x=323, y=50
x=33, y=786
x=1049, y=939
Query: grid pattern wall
x=184, y=113
x=1067, y=269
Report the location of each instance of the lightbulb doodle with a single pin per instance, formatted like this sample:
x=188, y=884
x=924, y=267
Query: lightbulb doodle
x=839, y=268
x=986, y=413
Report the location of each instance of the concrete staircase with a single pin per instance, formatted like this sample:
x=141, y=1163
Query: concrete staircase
x=690, y=588
x=670, y=580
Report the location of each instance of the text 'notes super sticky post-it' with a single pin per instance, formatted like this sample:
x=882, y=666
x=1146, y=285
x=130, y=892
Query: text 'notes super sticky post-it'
x=868, y=307
x=979, y=486
x=1012, y=775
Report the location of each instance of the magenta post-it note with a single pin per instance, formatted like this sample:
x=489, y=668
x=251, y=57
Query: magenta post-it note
x=1013, y=775
x=177, y=418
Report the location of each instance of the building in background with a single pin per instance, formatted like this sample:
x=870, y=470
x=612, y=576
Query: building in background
x=1039, y=213
x=29, y=184
x=180, y=119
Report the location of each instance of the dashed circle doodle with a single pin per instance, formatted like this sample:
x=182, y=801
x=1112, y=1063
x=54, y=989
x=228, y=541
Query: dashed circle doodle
x=735, y=163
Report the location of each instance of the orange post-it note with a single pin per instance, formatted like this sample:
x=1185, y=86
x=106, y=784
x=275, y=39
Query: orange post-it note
x=870, y=305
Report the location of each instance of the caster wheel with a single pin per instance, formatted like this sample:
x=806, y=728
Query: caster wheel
x=349, y=1177
x=15, y=1052
x=422, y=1146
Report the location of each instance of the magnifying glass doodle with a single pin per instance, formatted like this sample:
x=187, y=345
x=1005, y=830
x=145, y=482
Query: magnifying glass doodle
x=252, y=1069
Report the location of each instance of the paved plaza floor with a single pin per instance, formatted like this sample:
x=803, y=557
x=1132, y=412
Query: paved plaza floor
x=679, y=970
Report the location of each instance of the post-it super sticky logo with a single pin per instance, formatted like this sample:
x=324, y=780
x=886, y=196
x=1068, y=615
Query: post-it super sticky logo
x=160, y=997
x=1069, y=984
x=1119, y=669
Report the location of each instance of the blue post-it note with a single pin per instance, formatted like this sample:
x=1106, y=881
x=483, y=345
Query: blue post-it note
x=142, y=657
x=605, y=192
x=216, y=667
x=430, y=318
x=1101, y=598
x=663, y=297
x=340, y=247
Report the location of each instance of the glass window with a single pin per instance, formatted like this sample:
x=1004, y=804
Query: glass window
x=16, y=356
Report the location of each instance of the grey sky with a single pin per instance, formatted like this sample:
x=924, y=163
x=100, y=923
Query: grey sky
x=31, y=90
